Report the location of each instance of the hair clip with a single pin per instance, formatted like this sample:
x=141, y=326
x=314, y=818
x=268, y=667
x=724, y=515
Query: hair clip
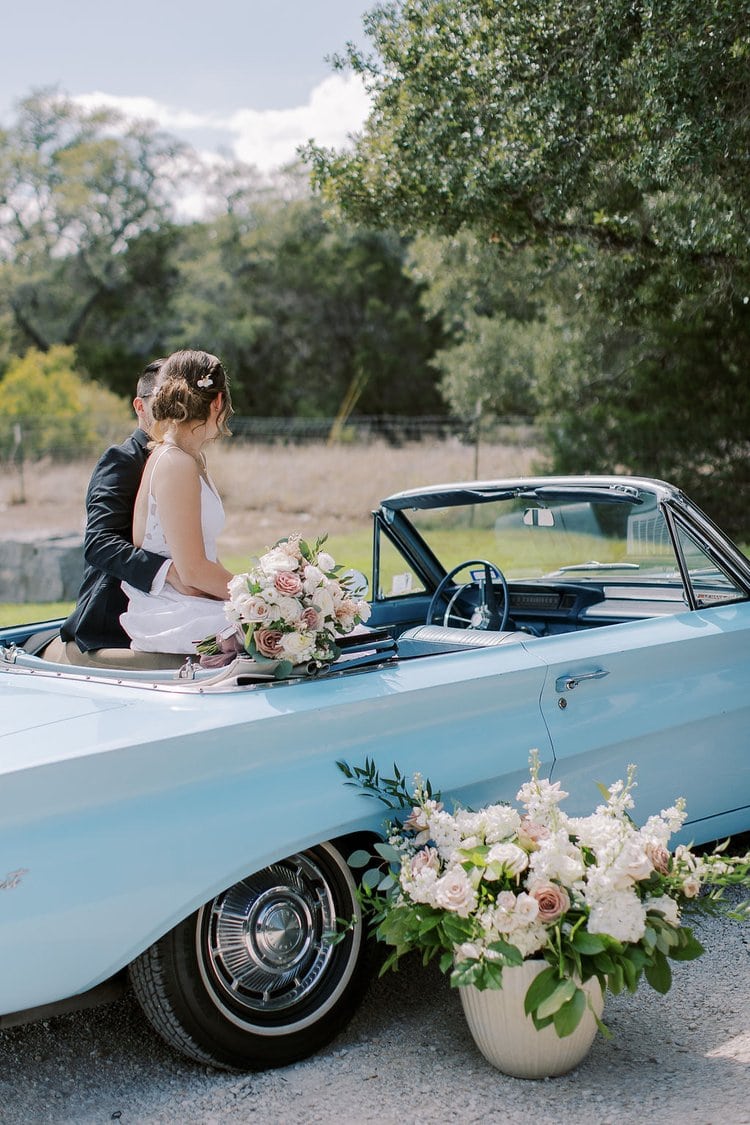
x=206, y=381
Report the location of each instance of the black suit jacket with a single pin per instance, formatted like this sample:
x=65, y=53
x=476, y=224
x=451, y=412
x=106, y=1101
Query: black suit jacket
x=108, y=549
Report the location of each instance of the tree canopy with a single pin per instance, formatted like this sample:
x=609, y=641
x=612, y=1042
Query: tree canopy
x=601, y=150
x=620, y=121
x=78, y=188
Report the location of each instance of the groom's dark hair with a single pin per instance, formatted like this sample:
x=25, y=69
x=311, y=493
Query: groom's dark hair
x=147, y=380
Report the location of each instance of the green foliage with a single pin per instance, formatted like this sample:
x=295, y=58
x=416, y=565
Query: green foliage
x=440, y=881
x=554, y=120
x=55, y=408
x=603, y=149
x=306, y=313
x=392, y=791
x=78, y=187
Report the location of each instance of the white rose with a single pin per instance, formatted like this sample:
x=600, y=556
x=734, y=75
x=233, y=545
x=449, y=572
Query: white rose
x=296, y=646
x=325, y=561
x=454, y=892
x=507, y=858
x=636, y=860
x=468, y=951
x=252, y=608
x=237, y=586
x=313, y=577
x=526, y=909
x=289, y=610
x=277, y=560
x=323, y=602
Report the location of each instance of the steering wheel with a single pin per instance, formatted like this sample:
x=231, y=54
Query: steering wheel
x=485, y=614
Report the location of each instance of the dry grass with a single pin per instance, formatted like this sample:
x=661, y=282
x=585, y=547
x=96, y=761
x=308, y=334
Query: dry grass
x=269, y=491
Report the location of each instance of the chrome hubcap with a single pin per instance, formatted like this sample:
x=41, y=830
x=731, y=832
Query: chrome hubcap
x=266, y=942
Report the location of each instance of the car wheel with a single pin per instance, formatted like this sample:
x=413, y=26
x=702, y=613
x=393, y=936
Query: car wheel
x=253, y=979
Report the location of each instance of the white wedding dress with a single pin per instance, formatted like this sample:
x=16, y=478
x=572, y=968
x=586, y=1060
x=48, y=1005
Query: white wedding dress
x=170, y=621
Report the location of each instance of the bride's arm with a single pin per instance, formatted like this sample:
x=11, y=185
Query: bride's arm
x=177, y=488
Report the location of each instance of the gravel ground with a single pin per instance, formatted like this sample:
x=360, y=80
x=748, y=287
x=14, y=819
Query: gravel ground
x=408, y=1057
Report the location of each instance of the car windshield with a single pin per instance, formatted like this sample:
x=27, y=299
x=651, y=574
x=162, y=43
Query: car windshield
x=533, y=538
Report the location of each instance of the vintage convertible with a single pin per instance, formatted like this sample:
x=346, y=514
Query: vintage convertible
x=189, y=829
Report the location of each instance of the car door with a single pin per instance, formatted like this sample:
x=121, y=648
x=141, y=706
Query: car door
x=669, y=694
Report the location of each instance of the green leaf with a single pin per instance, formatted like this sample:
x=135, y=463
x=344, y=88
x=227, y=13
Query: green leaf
x=562, y=993
x=446, y=960
x=630, y=974
x=588, y=943
x=540, y=989
x=688, y=950
x=511, y=953
x=603, y=963
x=388, y=853
x=372, y=877
x=616, y=978
x=359, y=858
x=428, y=923
x=456, y=929
x=570, y=1014
x=659, y=974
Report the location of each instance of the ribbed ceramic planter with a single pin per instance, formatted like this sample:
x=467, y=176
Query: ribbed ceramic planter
x=506, y=1036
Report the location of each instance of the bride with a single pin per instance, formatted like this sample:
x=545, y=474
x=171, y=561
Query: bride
x=178, y=512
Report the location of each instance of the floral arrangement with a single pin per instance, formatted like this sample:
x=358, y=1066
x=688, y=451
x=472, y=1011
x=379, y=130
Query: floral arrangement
x=290, y=608
x=594, y=896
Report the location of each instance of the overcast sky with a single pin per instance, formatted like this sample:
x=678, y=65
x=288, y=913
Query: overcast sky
x=246, y=75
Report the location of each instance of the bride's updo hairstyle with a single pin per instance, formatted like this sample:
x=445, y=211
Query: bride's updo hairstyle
x=188, y=383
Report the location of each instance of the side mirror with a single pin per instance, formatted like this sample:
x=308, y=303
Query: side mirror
x=539, y=517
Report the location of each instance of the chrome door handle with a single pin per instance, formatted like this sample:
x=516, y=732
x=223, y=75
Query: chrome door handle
x=567, y=683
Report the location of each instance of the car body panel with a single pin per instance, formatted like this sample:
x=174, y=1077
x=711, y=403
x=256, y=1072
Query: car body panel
x=128, y=800
x=144, y=811
x=674, y=702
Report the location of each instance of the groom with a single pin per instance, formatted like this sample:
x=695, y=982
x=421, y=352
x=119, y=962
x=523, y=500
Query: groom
x=93, y=628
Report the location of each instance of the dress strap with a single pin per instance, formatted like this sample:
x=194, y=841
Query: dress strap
x=157, y=454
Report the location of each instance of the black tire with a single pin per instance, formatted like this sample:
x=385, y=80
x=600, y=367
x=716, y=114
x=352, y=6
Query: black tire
x=252, y=980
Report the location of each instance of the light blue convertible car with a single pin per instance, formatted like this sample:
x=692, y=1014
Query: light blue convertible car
x=188, y=831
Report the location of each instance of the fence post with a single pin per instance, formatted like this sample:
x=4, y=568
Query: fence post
x=17, y=455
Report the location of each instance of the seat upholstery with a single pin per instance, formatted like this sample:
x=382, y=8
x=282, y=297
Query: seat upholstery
x=425, y=639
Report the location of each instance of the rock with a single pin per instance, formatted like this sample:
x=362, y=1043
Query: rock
x=38, y=568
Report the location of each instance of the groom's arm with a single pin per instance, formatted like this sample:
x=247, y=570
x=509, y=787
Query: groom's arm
x=108, y=540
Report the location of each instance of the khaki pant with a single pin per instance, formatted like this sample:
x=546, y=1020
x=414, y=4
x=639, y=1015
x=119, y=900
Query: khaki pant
x=68, y=652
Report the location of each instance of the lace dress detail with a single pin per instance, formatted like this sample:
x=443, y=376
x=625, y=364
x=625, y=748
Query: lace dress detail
x=170, y=621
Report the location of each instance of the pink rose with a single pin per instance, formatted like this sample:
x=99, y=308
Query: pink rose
x=530, y=834
x=288, y=583
x=553, y=902
x=416, y=821
x=426, y=858
x=268, y=642
x=690, y=886
x=659, y=856
x=311, y=620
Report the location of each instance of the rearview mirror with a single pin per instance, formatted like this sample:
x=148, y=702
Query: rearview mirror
x=538, y=517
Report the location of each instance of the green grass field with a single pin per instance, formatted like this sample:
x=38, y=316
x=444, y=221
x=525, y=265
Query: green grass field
x=352, y=550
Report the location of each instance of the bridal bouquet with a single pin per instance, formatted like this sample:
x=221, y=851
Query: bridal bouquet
x=593, y=896
x=290, y=609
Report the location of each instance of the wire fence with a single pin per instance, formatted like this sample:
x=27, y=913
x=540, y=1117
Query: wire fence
x=30, y=439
